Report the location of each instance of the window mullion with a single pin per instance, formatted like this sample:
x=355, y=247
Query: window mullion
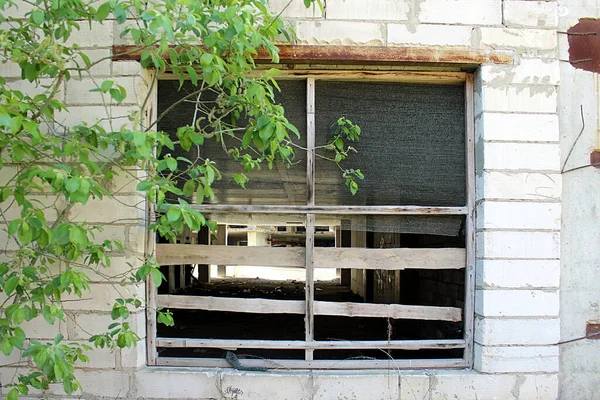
x=310, y=218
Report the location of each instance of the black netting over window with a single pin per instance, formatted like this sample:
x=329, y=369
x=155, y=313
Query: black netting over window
x=412, y=147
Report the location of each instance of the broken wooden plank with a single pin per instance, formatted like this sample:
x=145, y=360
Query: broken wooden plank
x=175, y=254
x=389, y=259
x=324, y=257
x=316, y=364
x=268, y=306
x=233, y=344
x=231, y=304
x=395, y=311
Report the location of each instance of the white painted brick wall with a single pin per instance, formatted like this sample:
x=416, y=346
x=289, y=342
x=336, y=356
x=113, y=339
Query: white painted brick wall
x=481, y=12
x=518, y=127
x=99, y=35
x=515, y=244
x=518, y=186
x=373, y=10
x=340, y=32
x=518, y=274
x=516, y=359
x=81, y=324
x=122, y=210
x=529, y=13
x=102, y=297
x=168, y=383
x=294, y=9
x=428, y=35
x=511, y=38
x=78, y=91
x=516, y=303
x=521, y=331
x=360, y=386
x=521, y=98
x=514, y=215
x=536, y=71
x=522, y=156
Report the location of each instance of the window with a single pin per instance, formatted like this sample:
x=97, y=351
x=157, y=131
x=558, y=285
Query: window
x=300, y=273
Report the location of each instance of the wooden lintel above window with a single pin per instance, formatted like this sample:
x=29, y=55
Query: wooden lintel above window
x=359, y=55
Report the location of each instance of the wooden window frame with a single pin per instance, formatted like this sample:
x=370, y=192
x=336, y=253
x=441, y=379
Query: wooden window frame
x=312, y=258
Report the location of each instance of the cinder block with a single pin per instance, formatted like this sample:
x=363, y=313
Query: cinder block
x=481, y=12
x=518, y=127
x=527, y=13
x=169, y=383
x=414, y=386
x=32, y=88
x=428, y=35
x=102, y=297
x=513, y=38
x=123, y=210
x=518, y=186
x=39, y=329
x=295, y=9
x=518, y=274
x=102, y=68
x=530, y=71
x=10, y=69
x=505, y=331
x=516, y=215
x=516, y=359
x=82, y=325
x=526, y=98
x=332, y=386
x=470, y=386
x=522, y=156
x=112, y=384
x=340, y=32
x=121, y=269
x=126, y=68
x=78, y=91
x=515, y=244
x=136, y=242
x=516, y=303
x=96, y=36
x=99, y=358
x=133, y=357
x=252, y=385
x=383, y=10
x=111, y=118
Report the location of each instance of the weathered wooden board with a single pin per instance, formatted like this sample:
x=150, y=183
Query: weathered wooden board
x=316, y=364
x=324, y=257
x=316, y=345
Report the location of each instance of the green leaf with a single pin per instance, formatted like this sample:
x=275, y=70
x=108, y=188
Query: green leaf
x=106, y=85
x=157, y=276
x=174, y=214
x=171, y=164
x=193, y=75
x=199, y=194
x=13, y=394
x=72, y=185
x=6, y=347
x=103, y=11
x=11, y=284
x=206, y=59
x=189, y=188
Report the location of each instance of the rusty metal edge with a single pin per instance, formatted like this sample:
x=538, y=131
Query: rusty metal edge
x=306, y=54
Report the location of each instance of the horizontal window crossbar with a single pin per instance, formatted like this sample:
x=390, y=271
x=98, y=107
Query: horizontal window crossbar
x=343, y=210
x=315, y=364
x=343, y=309
x=229, y=344
x=324, y=257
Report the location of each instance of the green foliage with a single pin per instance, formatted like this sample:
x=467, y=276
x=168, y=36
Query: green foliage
x=50, y=169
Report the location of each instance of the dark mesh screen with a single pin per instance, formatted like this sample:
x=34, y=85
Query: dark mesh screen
x=412, y=147
x=280, y=185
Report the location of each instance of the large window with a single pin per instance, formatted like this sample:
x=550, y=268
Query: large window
x=301, y=273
